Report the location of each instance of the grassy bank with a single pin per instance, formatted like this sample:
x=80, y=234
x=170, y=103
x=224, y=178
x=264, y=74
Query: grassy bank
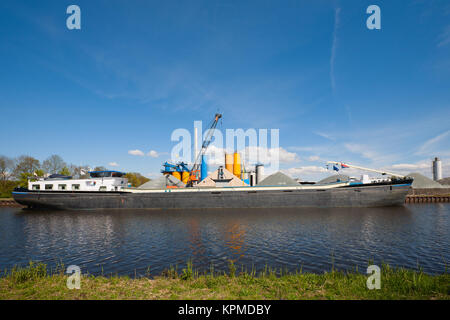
x=37, y=282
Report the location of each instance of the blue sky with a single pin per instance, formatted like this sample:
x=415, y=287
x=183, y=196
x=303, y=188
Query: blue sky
x=137, y=70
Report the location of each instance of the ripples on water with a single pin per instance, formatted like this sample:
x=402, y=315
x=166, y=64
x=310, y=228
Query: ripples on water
x=125, y=242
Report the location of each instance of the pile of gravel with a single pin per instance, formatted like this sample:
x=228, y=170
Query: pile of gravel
x=159, y=183
x=334, y=178
x=422, y=182
x=445, y=182
x=278, y=179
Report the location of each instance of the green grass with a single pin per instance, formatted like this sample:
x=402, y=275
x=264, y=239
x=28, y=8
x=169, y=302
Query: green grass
x=36, y=281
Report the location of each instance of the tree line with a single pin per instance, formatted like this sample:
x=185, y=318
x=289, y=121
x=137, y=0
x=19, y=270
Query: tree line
x=15, y=172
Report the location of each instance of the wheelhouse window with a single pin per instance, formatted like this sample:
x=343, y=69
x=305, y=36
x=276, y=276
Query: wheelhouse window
x=103, y=188
x=117, y=174
x=48, y=187
x=62, y=187
x=36, y=187
x=99, y=174
x=106, y=174
x=75, y=187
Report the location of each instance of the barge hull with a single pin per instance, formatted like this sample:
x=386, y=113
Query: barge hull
x=364, y=196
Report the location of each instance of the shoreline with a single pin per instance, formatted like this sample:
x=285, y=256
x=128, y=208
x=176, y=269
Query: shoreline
x=35, y=283
x=10, y=203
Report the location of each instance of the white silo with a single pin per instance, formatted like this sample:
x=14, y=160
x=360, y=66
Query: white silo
x=437, y=169
x=259, y=173
x=252, y=178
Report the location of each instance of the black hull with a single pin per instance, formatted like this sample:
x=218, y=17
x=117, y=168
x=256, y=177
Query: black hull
x=351, y=196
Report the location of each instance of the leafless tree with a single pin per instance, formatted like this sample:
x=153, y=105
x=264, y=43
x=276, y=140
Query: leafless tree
x=25, y=165
x=79, y=171
x=6, y=167
x=53, y=164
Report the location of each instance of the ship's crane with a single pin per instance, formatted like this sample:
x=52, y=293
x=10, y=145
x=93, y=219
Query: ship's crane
x=194, y=172
x=183, y=166
x=179, y=167
x=346, y=165
x=169, y=167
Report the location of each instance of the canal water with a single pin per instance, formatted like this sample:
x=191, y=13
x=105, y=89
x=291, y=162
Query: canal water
x=315, y=240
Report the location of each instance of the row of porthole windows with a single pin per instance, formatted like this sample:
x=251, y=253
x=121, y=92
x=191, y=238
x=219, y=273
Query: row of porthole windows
x=60, y=187
x=64, y=187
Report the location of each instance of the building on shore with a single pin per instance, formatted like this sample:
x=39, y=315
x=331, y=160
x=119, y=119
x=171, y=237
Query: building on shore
x=437, y=169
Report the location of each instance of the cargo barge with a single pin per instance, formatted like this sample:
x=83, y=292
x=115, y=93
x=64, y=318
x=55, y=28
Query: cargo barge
x=340, y=194
x=193, y=189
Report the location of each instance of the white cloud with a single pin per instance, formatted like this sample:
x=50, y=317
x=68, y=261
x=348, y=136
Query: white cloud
x=113, y=164
x=153, y=154
x=267, y=155
x=253, y=155
x=378, y=157
x=325, y=135
x=308, y=173
x=136, y=153
x=215, y=155
x=287, y=157
x=444, y=37
x=362, y=150
x=318, y=149
x=423, y=166
x=297, y=172
x=428, y=145
x=411, y=166
x=313, y=158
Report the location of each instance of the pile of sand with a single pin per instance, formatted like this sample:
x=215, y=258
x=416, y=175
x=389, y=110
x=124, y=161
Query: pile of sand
x=162, y=182
x=278, y=179
x=422, y=182
x=334, y=178
x=158, y=183
x=445, y=182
